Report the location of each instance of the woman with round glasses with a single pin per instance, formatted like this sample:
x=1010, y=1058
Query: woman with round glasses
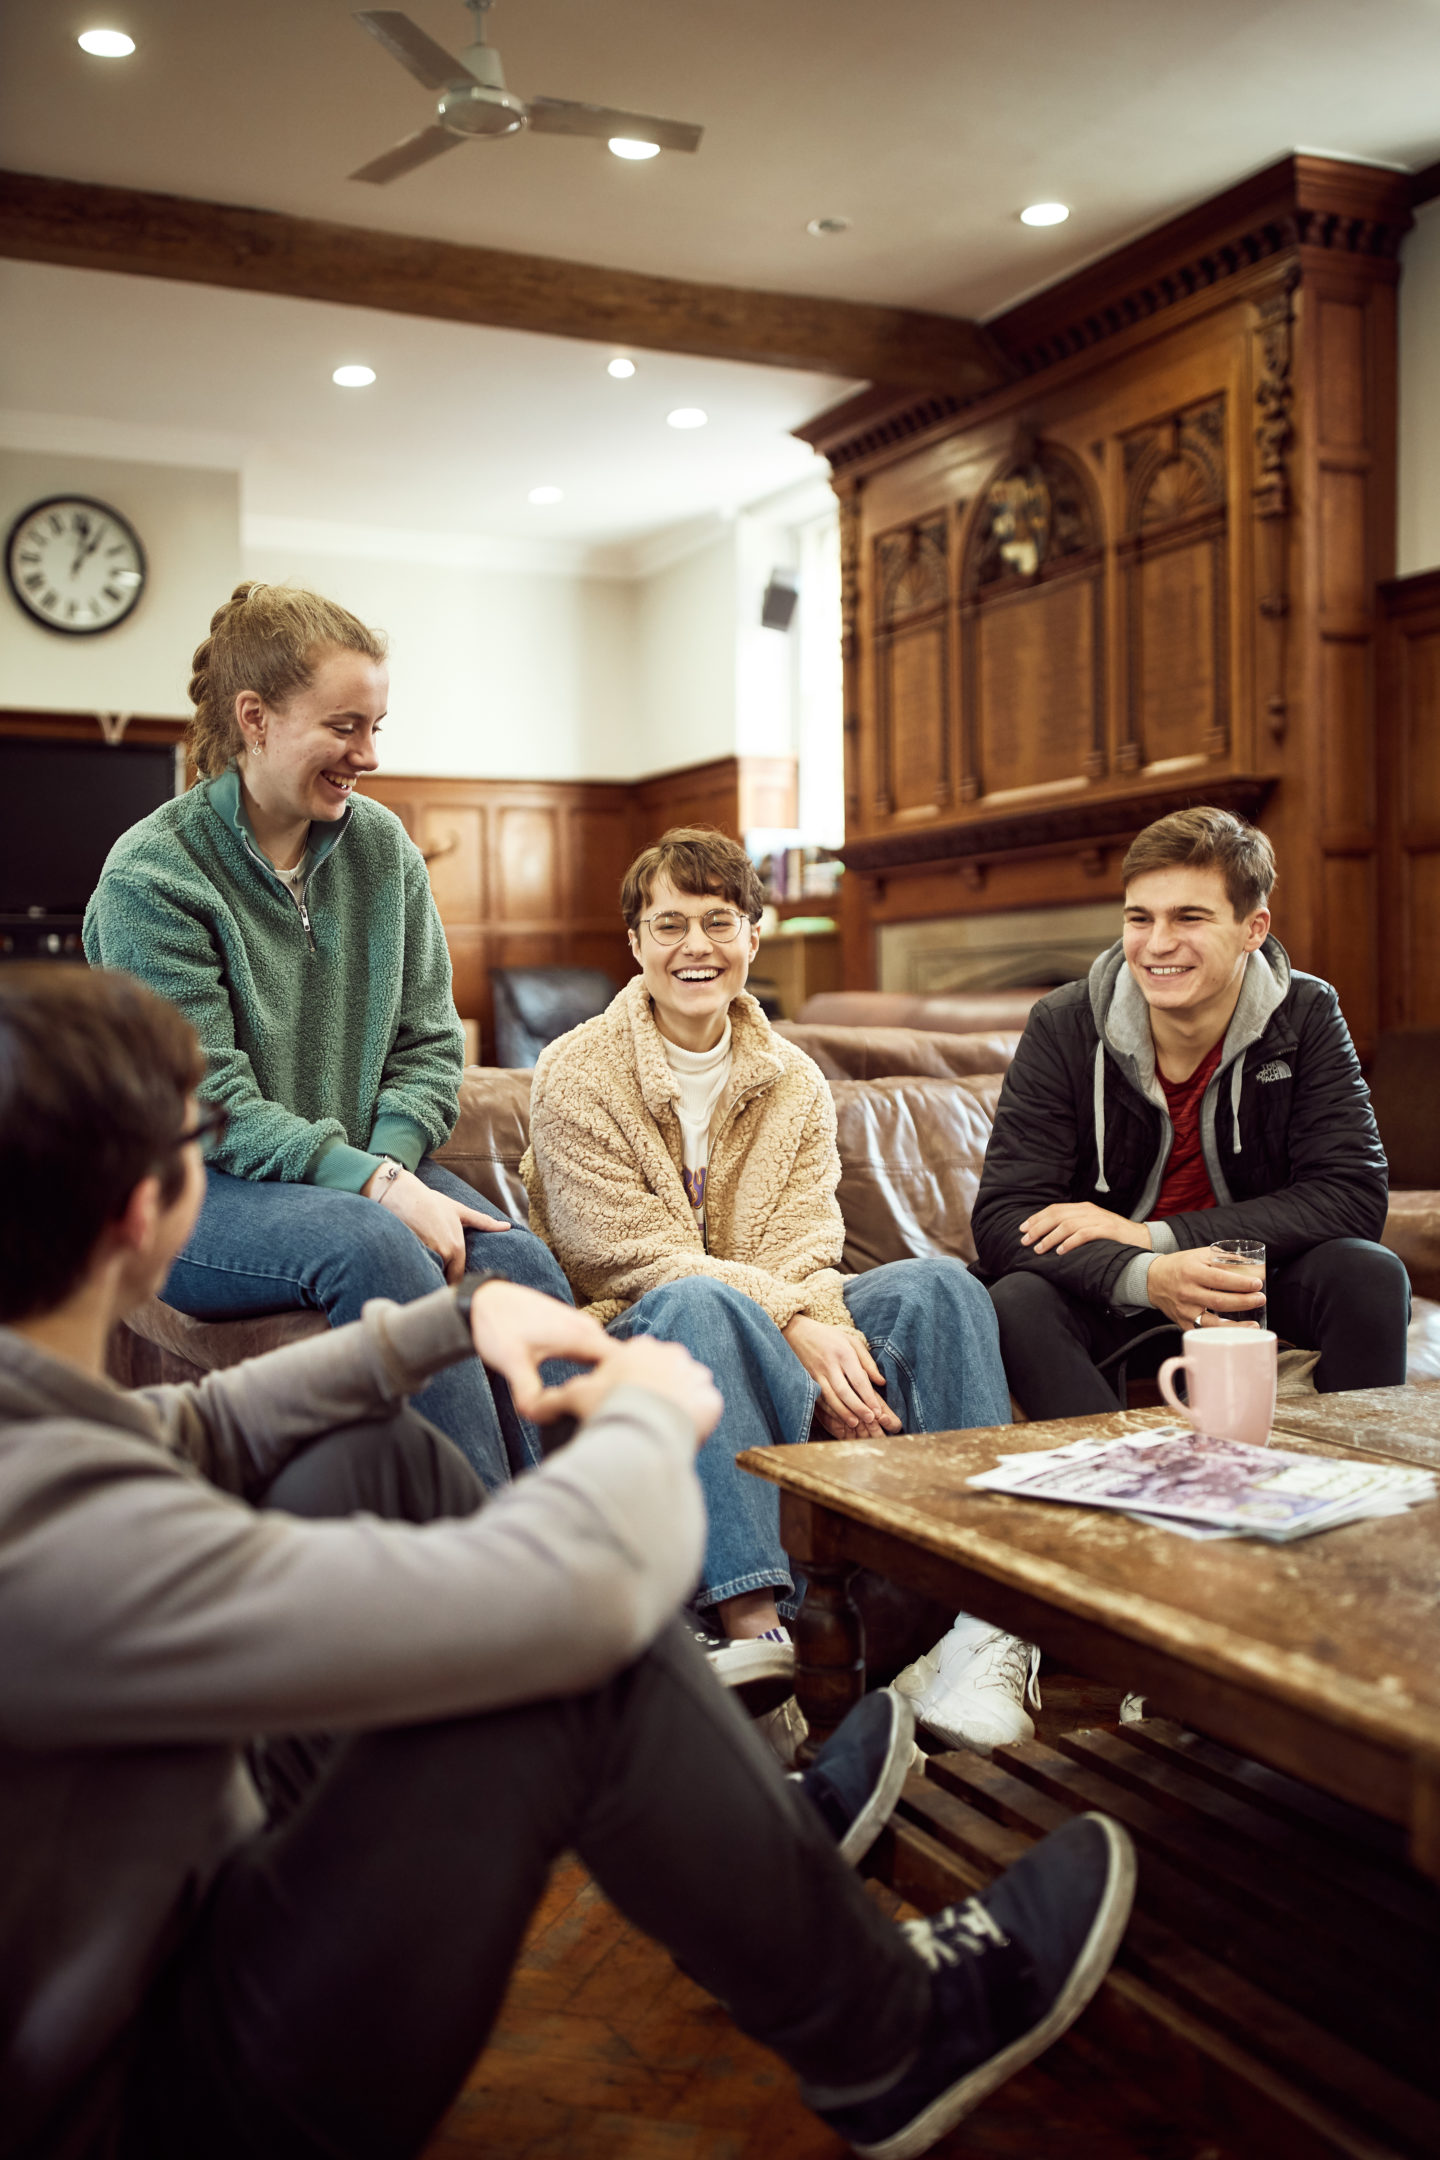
x=683, y=1169
x=291, y=921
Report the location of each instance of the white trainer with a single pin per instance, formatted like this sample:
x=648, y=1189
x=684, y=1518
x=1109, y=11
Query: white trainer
x=971, y=1689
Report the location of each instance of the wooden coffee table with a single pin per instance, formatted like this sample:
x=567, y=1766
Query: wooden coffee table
x=1278, y=1989
x=1320, y=1658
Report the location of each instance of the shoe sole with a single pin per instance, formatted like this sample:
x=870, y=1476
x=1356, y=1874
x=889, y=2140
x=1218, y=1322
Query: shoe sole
x=878, y=1809
x=1090, y=1967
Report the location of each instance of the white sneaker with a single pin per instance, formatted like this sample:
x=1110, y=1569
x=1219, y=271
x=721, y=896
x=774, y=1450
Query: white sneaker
x=971, y=1689
x=760, y=1668
x=784, y=1729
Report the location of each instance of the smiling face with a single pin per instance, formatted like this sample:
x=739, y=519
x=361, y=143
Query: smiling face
x=692, y=983
x=1183, y=944
x=316, y=746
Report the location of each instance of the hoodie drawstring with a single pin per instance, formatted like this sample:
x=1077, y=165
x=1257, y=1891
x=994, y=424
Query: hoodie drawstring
x=1235, y=1078
x=1101, y=1184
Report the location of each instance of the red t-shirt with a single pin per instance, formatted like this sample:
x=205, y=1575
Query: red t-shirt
x=1187, y=1182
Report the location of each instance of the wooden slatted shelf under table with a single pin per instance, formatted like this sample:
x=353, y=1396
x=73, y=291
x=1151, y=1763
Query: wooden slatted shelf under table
x=1281, y=1978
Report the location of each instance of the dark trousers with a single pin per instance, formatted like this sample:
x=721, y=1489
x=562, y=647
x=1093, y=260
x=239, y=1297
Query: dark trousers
x=1347, y=1298
x=340, y=1979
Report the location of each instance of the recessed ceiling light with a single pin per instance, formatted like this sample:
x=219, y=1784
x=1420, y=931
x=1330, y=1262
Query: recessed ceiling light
x=107, y=44
x=626, y=146
x=1045, y=213
x=621, y=368
x=353, y=378
x=824, y=228
x=547, y=495
x=687, y=416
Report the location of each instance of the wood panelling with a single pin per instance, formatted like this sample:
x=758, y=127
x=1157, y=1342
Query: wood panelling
x=1408, y=708
x=527, y=873
x=1168, y=538
x=171, y=236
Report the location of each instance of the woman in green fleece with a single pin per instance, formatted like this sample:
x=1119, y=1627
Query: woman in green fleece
x=291, y=921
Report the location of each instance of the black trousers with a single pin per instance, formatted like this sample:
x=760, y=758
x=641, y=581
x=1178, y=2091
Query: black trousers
x=1347, y=1298
x=341, y=1977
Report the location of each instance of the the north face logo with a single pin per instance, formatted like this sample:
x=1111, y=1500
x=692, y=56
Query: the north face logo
x=1277, y=1069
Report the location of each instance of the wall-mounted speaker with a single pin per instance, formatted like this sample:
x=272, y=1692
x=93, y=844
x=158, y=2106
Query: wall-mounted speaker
x=777, y=609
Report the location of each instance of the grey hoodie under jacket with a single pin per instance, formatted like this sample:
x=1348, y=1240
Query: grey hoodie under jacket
x=152, y=1621
x=1288, y=1135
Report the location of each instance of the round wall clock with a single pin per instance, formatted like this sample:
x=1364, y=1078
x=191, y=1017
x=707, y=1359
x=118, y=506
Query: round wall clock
x=74, y=565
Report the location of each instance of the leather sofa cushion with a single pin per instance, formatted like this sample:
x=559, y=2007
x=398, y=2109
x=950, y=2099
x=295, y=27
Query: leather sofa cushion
x=876, y=1053
x=910, y=1154
x=491, y=1134
x=1412, y=1229
x=980, y=1012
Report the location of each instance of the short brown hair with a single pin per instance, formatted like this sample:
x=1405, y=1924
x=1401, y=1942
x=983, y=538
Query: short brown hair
x=266, y=638
x=1208, y=839
x=94, y=1075
x=696, y=859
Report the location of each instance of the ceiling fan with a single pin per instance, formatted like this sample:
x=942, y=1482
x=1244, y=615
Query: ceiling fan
x=475, y=101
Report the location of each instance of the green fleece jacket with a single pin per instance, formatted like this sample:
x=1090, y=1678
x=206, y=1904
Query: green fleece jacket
x=329, y=1030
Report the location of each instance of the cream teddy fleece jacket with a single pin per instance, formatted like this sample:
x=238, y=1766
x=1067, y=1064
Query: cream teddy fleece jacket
x=603, y=1169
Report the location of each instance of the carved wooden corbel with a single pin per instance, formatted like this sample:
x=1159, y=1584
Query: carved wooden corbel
x=1274, y=433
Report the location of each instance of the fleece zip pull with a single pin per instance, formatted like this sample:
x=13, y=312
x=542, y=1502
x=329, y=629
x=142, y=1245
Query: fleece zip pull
x=1236, y=1071
x=1102, y=1184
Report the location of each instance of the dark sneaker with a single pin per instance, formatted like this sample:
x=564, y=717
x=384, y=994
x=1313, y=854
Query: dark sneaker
x=855, y=1779
x=760, y=1668
x=1012, y=1969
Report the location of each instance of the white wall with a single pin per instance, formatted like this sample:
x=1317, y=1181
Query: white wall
x=493, y=673
x=188, y=519
x=1418, y=536
x=686, y=658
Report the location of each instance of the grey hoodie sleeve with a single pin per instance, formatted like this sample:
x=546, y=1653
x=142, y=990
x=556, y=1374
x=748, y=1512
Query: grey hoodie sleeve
x=242, y=1425
x=155, y=1610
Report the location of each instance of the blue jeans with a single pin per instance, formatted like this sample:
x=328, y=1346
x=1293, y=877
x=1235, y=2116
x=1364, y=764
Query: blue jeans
x=262, y=1247
x=931, y=1330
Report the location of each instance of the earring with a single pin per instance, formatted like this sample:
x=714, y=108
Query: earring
x=258, y=746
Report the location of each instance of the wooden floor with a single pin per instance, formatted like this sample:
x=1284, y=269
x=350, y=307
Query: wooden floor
x=604, y=2052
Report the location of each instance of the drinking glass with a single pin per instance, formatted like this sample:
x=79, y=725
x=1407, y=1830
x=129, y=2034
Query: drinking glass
x=1248, y=1253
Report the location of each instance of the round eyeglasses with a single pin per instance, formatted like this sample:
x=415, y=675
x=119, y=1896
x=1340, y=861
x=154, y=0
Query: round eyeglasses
x=721, y=925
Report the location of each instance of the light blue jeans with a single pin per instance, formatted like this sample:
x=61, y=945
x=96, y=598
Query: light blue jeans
x=262, y=1246
x=931, y=1330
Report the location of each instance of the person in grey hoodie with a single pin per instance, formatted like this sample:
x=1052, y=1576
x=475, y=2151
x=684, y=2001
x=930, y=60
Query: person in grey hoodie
x=185, y=1970
x=1195, y=1087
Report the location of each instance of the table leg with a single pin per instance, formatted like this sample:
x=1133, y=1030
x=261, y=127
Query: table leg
x=829, y=1652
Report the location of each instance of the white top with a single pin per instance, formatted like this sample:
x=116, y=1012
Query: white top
x=702, y=1075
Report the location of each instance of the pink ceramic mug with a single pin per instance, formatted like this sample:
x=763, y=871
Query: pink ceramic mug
x=1231, y=1377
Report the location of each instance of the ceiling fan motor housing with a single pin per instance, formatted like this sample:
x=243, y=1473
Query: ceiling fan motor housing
x=481, y=105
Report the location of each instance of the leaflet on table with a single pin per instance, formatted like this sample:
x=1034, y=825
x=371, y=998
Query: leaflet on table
x=1221, y=1487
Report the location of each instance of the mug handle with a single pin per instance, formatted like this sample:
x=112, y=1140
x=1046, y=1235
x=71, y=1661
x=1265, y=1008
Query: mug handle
x=1166, y=1385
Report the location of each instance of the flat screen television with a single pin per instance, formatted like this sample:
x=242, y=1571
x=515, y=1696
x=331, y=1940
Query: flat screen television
x=63, y=805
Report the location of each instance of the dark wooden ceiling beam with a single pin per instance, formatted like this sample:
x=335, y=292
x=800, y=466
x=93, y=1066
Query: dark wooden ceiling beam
x=172, y=236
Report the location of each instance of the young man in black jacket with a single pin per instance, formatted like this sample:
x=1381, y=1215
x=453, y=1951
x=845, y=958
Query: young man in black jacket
x=1194, y=1087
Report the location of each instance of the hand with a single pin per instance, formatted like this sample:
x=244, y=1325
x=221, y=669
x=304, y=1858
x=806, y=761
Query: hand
x=515, y=1330
x=1065, y=1224
x=1192, y=1286
x=665, y=1368
x=439, y=1222
x=839, y=1359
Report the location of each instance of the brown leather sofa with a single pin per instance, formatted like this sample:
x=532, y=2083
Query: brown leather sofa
x=915, y=1109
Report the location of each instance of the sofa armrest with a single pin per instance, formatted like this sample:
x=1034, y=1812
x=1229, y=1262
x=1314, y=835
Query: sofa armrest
x=1412, y=1230
x=491, y=1134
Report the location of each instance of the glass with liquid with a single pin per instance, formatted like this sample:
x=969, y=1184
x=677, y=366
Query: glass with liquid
x=1247, y=1253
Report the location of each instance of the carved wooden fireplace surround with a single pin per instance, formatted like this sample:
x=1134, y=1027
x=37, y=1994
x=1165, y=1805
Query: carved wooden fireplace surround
x=1141, y=574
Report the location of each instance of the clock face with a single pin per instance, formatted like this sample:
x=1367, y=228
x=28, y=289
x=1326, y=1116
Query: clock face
x=74, y=565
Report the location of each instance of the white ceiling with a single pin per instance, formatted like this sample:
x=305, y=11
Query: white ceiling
x=929, y=123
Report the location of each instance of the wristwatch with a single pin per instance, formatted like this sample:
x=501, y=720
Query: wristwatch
x=464, y=1292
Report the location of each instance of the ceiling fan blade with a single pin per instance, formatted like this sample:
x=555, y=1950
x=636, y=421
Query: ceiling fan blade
x=406, y=42
x=562, y=116
x=415, y=150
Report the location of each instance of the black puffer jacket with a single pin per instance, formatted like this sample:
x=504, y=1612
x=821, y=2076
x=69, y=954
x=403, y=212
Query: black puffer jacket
x=1289, y=1137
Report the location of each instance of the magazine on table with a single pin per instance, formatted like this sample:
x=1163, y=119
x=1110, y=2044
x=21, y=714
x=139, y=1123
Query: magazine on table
x=1201, y=1486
